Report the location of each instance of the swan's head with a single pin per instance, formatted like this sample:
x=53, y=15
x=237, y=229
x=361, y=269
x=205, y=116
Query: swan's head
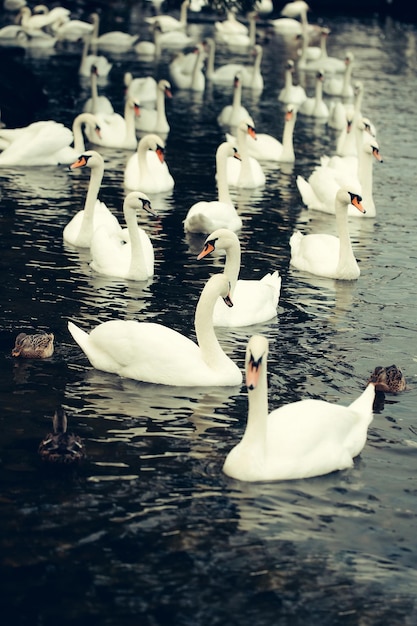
x=346, y=196
x=220, y=239
x=290, y=113
x=165, y=86
x=349, y=57
x=138, y=200
x=155, y=143
x=248, y=126
x=290, y=65
x=256, y=358
x=90, y=158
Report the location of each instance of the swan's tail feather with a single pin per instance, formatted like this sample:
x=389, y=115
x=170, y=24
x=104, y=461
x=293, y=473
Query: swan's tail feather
x=79, y=335
x=364, y=403
x=308, y=196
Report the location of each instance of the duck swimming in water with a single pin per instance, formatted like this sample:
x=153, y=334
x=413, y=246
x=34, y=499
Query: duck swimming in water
x=37, y=346
x=388, y=379
x=61, y=447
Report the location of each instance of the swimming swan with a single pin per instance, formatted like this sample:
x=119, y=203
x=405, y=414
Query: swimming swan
x=158, y=354
x=326, y=255
x=298, y=440
x=254, y=301
x=146, y=169
x=79, y=231
x=127, y=252
x=206, y=216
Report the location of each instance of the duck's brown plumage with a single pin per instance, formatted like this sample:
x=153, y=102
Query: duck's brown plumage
x=37, y=346
x=61, y=447
x=388, y=379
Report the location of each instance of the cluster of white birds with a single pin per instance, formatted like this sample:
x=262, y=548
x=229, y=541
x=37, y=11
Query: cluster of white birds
x=307, y=438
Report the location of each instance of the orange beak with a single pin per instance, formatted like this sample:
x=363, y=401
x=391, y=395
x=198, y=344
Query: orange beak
x=161, y=155
x=81, y=162
x=205, y=251
x=252, y=374
x=358, y=204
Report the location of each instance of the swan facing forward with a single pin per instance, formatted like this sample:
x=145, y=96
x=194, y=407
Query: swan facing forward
x=206, y=216
x=326, y=255
x=298, y=440
x=79, y=230
x=254, y=301
x=126, y=252
x=158, y=354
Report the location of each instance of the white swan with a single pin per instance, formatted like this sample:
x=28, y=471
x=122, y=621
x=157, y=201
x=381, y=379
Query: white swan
x=117, y=131
x=326, y=255
x=141, y=89
x=335, y=85
x=168, y=22
x=232, y=114
x=323, y=61
x=267, y=148
x=298, y=440
x=238, y=41
x=146, y=170
x=254, y=301
x=97, y=104
x=83, y=120
x=87, y=60
x=246, y=173
x=180, y=75
x=39, y=143
x=315, y=106
x=320, y=189
x=35, y=22
x=289, y=24
x=206, y=216
x=71, y=30
x=158, y=354
x=128, y=252
x=155, y=120
x=290, y=93
x=79, y=231
x=170, y=40
x=115, y=40
x=230, y=26
x=251, y=75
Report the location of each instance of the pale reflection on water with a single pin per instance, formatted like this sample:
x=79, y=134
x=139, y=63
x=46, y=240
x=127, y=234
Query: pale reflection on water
x=149, y=530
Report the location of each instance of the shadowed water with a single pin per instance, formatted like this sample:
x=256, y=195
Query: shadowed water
x=149, y=531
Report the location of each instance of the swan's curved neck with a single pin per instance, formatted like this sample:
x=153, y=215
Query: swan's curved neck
x=287, y=140
x=365, y=175
x=94, y=92
x=346, y=256
x=142, y=151
x=211, y=350
x=137, y=260
x=184, y=13
x=245, y=166
x=223, y=193
x=318, y=93
x=83, y=118
x=346, y=80
x=87, y=226
x=210, y=58
x=196, y=68
x=160, y=107
x=232, y=264
x=256, y=427
x=129, y=115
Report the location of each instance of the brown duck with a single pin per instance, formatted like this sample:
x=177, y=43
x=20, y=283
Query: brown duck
x=37, y=346
x=61, y=447
x=388, y=379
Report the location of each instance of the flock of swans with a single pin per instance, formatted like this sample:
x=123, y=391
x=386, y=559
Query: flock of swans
x=307, y=438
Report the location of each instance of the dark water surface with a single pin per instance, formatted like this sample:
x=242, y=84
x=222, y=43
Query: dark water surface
x=149, y=531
